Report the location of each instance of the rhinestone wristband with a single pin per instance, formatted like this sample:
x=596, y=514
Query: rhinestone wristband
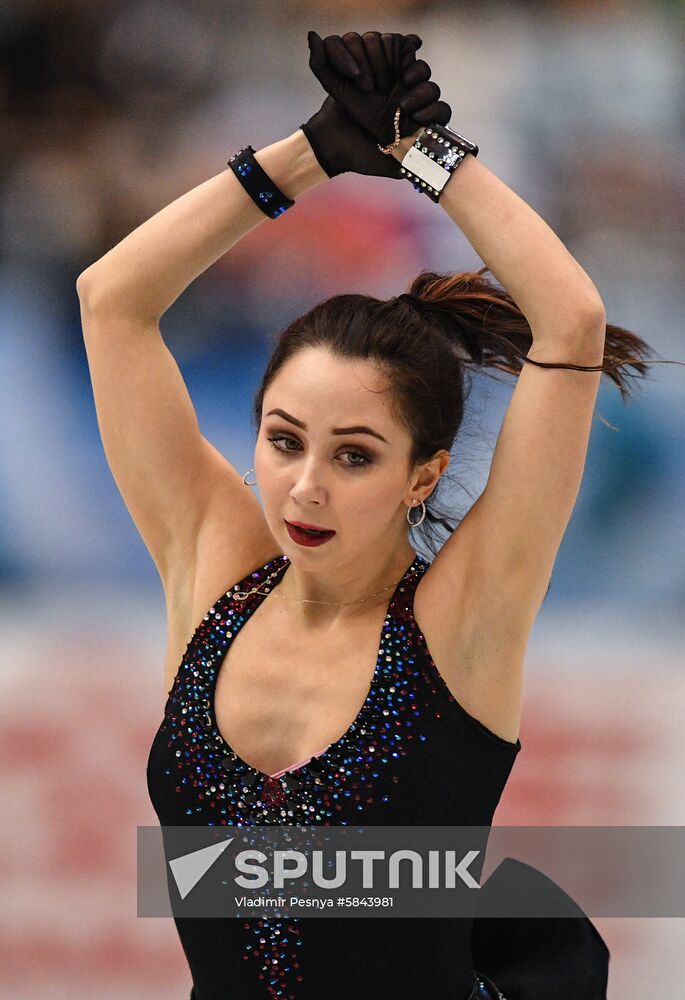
x=435, y=155
x=258, y=184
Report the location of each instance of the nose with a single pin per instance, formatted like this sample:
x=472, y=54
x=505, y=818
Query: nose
x=308, y=487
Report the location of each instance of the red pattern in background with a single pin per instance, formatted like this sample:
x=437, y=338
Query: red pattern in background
x=75, y=746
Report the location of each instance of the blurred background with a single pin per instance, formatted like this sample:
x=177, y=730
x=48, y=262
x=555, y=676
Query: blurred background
x=108, y=111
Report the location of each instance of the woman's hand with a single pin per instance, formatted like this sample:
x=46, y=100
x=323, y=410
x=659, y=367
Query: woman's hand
x=367, y=78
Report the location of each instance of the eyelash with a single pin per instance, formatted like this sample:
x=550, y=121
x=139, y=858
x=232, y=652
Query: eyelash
x=289, y=451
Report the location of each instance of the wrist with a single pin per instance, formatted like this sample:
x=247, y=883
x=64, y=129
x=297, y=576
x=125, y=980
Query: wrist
x=292, y=165
x=405, y=145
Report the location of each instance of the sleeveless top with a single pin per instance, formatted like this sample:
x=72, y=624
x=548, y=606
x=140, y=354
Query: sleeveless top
x=412, y=756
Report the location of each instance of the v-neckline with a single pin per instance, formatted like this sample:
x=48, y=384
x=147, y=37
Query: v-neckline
x=331, y=749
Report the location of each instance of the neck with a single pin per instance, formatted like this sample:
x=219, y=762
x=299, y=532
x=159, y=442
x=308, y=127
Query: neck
x=341, y=589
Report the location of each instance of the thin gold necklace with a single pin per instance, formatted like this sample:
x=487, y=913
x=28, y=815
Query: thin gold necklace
x=242, y=595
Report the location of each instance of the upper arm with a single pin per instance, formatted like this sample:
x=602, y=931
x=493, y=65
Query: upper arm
x=168, y=474
x=480, y=596
x=516, y=526
x=538, y=464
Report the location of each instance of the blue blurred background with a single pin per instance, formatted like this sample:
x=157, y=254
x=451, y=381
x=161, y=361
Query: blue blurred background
x=110, y=110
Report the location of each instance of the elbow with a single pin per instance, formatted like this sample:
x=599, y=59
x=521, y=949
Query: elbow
x=584, y=325
x=84, y=286
x=593, y=317
x=91, y=289
x=588, y=324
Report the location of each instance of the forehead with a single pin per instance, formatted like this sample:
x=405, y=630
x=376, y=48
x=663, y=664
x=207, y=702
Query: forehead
x=315, y=382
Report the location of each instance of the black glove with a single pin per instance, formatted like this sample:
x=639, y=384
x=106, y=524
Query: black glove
x=367, y=79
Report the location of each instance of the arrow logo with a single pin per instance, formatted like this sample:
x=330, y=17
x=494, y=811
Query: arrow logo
x=189, y=868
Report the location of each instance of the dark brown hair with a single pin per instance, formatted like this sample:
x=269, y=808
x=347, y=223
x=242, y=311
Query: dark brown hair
x=465, y=322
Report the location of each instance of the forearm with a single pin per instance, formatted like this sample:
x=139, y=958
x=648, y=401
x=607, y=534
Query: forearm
x=527, y=258
x=147, y=271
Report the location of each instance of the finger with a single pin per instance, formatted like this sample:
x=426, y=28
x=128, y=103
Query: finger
x=318, y=61
x=427, y=92
x=339, y=57
x=355, y=47
x=436, y=113
x=376, y=56
x=414, y=41
x=392, y=43
x=317, y=55
x=408, y=46
x=416, y=73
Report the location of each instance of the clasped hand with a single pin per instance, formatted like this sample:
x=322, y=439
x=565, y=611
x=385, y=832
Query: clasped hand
x=367, y=78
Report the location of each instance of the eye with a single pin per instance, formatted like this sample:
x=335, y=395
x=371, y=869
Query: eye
x=281, y=437
x=365, y=460
x=357, y=454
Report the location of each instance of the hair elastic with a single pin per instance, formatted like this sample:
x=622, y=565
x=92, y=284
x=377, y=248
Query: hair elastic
x=412, y=299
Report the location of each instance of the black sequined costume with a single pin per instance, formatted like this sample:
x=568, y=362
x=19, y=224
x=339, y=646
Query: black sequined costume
x=413, y=756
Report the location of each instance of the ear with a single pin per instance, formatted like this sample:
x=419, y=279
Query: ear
x=429, y=474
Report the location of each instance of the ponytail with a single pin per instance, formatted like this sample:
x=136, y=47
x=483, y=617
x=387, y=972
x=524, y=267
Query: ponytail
x=483, y=320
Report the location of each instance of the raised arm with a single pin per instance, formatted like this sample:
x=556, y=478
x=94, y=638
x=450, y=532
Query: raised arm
x=491, y=575
x=517, y=524
x=176, y=485
x=169, y=475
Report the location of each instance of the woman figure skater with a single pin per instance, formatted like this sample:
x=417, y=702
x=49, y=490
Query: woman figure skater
x=328, y=673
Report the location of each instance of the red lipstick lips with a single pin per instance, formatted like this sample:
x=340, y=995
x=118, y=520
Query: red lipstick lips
x=303, y=524
x=302, y=533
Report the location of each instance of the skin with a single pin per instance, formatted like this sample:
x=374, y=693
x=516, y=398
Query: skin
x=312, y=479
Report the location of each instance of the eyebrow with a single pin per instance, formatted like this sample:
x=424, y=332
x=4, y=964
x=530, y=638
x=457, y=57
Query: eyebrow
x=335, y=430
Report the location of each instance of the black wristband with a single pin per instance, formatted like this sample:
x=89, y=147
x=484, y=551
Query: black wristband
x=258, y=184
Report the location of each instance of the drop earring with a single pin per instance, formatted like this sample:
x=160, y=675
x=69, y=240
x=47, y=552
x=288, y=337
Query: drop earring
x=245, y=477
x=415, y=524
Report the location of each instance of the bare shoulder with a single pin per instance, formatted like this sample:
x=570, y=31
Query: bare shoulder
x=232, y=540
x=476, y=631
